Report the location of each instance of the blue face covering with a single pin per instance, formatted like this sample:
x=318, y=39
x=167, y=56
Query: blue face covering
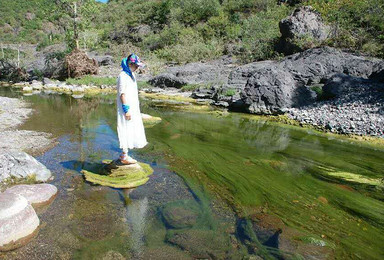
x=126, y=69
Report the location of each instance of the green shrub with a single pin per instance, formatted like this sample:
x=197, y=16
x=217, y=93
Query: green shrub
x=191, y=12
x=259, y=34
x=229, y=92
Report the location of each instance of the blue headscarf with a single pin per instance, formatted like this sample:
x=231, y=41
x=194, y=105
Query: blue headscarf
x=126, y=69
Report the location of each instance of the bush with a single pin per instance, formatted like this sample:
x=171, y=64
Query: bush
x=260, y=32
x=191, y=12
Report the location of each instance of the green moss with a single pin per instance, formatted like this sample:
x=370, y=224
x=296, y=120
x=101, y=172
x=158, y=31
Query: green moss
x=122, y=177
x=190, y=87
x=92, y=81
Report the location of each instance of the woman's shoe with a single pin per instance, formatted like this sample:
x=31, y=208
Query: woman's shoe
x=127, y=160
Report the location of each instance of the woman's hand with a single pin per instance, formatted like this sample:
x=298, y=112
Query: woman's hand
x=128, y=116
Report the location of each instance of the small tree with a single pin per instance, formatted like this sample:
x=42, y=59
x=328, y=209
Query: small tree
x=76, y=16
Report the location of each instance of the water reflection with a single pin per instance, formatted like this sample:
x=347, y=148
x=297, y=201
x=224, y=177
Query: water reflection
x=137, y=211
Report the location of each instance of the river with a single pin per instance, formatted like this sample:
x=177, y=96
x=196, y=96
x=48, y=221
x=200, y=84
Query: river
x=225, y=186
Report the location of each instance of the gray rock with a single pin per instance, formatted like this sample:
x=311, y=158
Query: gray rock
x=210, y=73
x=273, y=90
x=21, y=165
x=303, y=22
x=339, y=84
x=18, y=221
x=238, y=77
x=34, y=193
x=102, y=60
x=166, y=80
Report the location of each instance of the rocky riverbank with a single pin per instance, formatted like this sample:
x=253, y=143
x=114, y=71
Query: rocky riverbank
x=13, y=112
x=15, y=162
x=357, y=107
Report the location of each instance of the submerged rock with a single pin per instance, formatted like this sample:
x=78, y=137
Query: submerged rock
x=206, y=244
x=149, y=120
x=18, y=221
x=181, y=214
x=21, y=165
x=120, y=176
x=34, y=193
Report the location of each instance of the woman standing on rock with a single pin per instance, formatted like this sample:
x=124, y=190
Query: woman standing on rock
x=130, y=128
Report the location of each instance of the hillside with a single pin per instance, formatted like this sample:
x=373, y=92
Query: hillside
x=190, y=30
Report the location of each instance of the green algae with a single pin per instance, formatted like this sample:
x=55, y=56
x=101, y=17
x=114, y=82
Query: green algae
x=258, y=166
x=350, y=177
x=122, y=177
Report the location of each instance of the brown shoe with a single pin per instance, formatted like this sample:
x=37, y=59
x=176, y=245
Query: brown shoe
x=127, y=160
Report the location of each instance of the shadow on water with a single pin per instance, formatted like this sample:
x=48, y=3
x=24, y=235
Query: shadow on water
x=244, y=187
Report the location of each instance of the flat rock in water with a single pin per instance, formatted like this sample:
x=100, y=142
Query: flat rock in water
x=120, y=176
x=34, y=193
x=149, y=120
x=18, y=221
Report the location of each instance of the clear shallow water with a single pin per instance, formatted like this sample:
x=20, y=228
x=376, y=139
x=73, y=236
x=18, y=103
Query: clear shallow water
x=270, y=175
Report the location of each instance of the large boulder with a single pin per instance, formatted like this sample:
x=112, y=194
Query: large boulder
x=318, y=64
x=210, y=73
x=273, y=90
x=36, y=194
x=21, y=165
x=167, y=80
x=18, y=221
x=274, y=87
x=304, y=22
x=102, y=59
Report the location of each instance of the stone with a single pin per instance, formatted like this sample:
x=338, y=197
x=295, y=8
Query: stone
x=35, y=193
x=303, y=22
x=37, y=85
x=272, y=91
x=166, y=80
x=149, y=120
x=201, y=244
x=21, y=165
x=102, y=60
x=113, y=255
x=18, y=221
x=27, y=89
x=113, y=174
x=181, y=214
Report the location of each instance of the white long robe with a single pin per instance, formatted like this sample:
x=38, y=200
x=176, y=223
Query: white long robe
x=130, y=132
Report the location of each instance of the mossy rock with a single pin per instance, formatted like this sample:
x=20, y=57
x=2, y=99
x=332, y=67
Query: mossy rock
x=181, y=214
x=206, y=244
x=123, y=176
x=149, y=120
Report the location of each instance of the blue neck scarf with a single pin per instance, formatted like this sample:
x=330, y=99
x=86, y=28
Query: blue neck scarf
x=126, y=69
